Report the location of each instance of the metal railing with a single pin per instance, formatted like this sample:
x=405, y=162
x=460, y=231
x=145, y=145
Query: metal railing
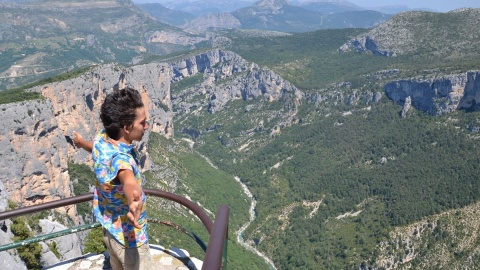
x=215, y=256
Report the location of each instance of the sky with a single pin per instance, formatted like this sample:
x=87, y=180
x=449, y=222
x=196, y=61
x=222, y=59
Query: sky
x=437, y=5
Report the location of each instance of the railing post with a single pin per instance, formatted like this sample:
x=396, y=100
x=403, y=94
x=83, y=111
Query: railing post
x=217, y=242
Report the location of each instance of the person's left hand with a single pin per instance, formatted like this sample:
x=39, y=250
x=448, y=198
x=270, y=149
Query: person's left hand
x=135, y=208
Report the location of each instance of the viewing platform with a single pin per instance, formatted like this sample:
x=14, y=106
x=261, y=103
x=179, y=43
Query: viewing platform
x=165, y=259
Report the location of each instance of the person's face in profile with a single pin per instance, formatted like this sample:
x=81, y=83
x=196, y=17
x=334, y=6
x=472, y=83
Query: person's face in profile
x=139, y=126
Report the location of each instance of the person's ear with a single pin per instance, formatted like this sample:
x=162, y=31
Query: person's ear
x=127, y=129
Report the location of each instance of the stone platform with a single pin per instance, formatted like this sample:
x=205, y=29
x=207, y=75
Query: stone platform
x=165, y=259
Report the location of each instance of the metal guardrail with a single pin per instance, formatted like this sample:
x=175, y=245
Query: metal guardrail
x=215, y=256
x=41, y=238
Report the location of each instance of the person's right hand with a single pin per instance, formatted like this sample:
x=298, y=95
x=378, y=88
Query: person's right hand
x=77, y=139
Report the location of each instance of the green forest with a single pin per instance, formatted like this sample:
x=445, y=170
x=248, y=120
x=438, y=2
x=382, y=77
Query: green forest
x=429, y=167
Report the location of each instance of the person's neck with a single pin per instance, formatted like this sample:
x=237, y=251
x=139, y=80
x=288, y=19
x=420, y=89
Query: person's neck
x=124, y=140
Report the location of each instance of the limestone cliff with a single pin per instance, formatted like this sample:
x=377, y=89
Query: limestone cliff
x=35, y=135
x=33, y=166
x=438, y=95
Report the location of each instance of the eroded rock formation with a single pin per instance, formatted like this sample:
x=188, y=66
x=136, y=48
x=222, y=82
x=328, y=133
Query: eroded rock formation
x=439, y=95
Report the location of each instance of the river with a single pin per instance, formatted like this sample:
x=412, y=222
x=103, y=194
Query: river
x=240, y=231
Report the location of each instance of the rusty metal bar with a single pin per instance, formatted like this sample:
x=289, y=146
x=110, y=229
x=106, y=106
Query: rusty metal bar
x=207, y=222
x=183, y=230
x=215, y=248
x=45, y=206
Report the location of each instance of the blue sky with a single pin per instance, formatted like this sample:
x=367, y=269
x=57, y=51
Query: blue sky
x=438, y=5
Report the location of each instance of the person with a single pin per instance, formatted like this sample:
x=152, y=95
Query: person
x=119, y=202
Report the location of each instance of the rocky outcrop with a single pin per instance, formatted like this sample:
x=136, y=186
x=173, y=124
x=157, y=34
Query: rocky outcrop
x=257, y=82
x=171, y=37
x=218, y=62
x=366, y=43
x=68, y=246
x=9, y=260
x=422, y=33
x=406, y=107
x=342, y=94
x=228, y=78
x=439, y=95
x=444, y=241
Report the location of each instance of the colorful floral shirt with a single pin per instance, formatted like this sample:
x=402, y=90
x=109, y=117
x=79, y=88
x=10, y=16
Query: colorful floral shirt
x=110, y=205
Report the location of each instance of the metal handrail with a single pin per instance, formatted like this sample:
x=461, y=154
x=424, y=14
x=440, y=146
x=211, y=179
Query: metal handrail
x=207, y=222
x=218, y=231
x=45, y=206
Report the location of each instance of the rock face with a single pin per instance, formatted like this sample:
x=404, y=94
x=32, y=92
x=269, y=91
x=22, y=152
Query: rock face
x=76, y=102
x=437, y=96
x=419, y=32
x=406, y=247
x=7, y=260
x=174, y=38
x=33, y=167
x=257, y=83
x=246, y=82
x=68, y=246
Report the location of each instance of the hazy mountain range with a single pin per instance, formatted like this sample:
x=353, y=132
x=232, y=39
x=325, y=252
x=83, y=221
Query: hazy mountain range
x=274, y=15
x=204, y=7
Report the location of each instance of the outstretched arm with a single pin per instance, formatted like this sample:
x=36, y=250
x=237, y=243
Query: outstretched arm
x=80, y=142
x=133, y=192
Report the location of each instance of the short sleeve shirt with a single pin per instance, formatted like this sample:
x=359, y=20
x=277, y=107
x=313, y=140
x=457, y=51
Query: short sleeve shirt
x=110, y=205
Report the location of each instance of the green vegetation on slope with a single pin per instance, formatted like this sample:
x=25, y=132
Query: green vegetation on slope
x=16, y=95
x=21, y=229
x=431, y=166
x=205, y=185
x=19, y=94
